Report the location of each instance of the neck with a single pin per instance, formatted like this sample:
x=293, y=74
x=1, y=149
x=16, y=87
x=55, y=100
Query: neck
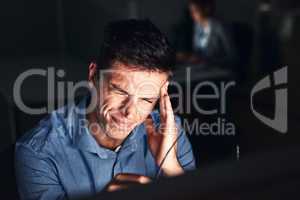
x=99, y=134
x=203, y=22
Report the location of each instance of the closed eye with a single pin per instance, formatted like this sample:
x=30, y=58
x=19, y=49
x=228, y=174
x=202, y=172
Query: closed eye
x=117, y=89
x=149, y=100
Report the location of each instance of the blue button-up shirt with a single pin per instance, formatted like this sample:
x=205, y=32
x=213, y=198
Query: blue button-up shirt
x=60, y=159
x=201, y=37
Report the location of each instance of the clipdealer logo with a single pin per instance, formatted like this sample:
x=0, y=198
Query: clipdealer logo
x=56, y=90
x=280, y=120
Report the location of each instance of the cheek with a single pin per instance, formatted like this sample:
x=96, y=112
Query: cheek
x=110, y=103
x=195, y=15
x=144, y=109
x=107, y=97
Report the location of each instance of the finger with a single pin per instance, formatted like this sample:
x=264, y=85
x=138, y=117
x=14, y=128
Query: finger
x=132, y=178
x=115, y=186
x=119, y=185
x=169, y=109
x=170, y=118
x=167, y=104
x=163, y=93
x=162, y=108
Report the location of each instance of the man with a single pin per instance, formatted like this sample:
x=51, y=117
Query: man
x=115, y=138
x=201, y=38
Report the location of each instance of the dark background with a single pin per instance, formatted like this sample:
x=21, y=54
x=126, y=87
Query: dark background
x=65, y=34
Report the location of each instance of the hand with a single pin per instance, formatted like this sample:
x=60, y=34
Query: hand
x=186, y=57
x=194, y=59
x=125, y=180
x=160, y=141
x=182, y=56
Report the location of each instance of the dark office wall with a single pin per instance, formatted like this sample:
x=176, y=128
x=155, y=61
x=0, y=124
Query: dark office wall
x=35, y=27
x=237, y=10
x=40, y=27
x=11, y=28
x=84, y=21
x=28, y=27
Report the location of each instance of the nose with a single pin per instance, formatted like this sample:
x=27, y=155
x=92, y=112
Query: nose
x=129, y=108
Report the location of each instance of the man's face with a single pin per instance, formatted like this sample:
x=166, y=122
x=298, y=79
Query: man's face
x=196, y=13
x=127, y=97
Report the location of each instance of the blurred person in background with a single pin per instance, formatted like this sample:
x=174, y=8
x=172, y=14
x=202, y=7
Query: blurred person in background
x=202, y=39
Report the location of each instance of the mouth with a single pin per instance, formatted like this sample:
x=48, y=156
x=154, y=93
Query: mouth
x=121, y=122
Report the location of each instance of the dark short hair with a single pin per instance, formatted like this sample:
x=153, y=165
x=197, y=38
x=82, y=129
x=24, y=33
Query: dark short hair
x=207, y=7
x=138, y=43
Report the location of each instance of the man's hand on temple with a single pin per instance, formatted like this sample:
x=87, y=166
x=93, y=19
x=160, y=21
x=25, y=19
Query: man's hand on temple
x=162, y=140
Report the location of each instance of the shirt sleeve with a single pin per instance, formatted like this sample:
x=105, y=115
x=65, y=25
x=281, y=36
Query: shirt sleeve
x=184, y=149
x=227, y=55
x=36, y=176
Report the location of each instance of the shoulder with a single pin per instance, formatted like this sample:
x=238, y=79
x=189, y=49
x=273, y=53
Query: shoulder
x=217, y=26
x=47, y=135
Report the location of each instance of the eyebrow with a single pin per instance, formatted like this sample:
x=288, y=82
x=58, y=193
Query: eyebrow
x=118, y=88
x=122, y=90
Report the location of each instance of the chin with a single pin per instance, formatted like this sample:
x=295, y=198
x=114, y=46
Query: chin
x=117, y=134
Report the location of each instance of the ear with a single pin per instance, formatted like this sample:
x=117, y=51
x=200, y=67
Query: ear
x=92, y=74
x=92, y=71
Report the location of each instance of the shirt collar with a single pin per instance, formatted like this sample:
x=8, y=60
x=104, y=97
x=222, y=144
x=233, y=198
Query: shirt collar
x=204, y=30
x=83, y=138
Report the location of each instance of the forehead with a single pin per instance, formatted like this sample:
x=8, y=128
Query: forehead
x=194, y=7
x=137, y=80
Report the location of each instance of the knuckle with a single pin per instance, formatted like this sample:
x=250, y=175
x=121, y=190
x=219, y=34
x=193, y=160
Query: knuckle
x=143, y=179
x=111, y=188
x=118, y=176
